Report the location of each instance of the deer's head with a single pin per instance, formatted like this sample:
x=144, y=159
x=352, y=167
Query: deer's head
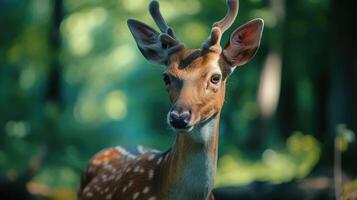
x=195, y=78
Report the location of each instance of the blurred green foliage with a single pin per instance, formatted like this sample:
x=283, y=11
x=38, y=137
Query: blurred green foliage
x=106, y=94
x=294, y=160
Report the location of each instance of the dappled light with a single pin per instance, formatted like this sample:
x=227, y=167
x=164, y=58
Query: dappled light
x=73, y=82
x=115, y=105
x=78, y=29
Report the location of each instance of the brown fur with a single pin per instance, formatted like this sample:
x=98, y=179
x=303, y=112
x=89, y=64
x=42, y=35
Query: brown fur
x=189, y=85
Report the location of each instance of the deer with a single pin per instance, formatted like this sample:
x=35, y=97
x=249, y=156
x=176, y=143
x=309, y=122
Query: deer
x=195, y=80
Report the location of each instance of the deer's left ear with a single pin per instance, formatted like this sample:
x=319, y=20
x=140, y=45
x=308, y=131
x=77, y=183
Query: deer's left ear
x=243, y=43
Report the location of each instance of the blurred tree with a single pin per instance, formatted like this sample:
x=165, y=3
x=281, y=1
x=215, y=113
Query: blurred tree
x=343, y=94
x=72, y=80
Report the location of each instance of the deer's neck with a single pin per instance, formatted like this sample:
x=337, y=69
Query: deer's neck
x=191, y=164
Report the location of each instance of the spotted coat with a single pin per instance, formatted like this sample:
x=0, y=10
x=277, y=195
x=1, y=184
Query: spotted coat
x=115, y=174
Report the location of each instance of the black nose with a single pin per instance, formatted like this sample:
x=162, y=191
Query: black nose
x=179, y=121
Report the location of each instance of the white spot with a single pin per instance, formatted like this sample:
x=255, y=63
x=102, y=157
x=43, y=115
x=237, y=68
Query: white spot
x=106, y=189
x=141, y=150
x=108, y=167
x=151, y=156
x=137, y=168
x=152, y=198
x=130, y=183
x=124, y=189
x=118, y=177
x=90, y=169
x=159, y=161
x=151, y=174
x=131, y=156
x=166, y=157
x=124, y=152
x=155, y=151
x=142, y=170
x=114, y=170
x=86, y=189
x=120, y=149
x=146, y=189
x=89, y=194
x=111, y=177
x=109, y=196
x=97, y=188
x=104, y=178
x=128, y=170
x=136, y=195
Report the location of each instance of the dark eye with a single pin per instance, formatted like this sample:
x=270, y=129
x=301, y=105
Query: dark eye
x=215, y=78
x=166, y=79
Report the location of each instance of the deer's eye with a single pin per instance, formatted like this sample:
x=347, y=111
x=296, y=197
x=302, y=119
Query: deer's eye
x=215, y=78
x=166, y=79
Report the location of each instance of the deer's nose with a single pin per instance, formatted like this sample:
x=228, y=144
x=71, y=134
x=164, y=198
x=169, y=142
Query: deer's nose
x=179, y=120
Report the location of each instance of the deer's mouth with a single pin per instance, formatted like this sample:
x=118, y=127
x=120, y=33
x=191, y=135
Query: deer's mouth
x=183, y=130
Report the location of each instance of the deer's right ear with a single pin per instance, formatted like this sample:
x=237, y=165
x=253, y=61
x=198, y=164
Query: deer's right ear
x=149, y=42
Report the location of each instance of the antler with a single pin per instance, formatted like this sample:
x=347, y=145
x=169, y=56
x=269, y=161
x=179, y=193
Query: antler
x=221, y=26
x=231, y=15
x=154, y=9
x=167, y=37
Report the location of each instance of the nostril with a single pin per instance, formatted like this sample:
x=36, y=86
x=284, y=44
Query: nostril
x=174, y=116
x=186, y=117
